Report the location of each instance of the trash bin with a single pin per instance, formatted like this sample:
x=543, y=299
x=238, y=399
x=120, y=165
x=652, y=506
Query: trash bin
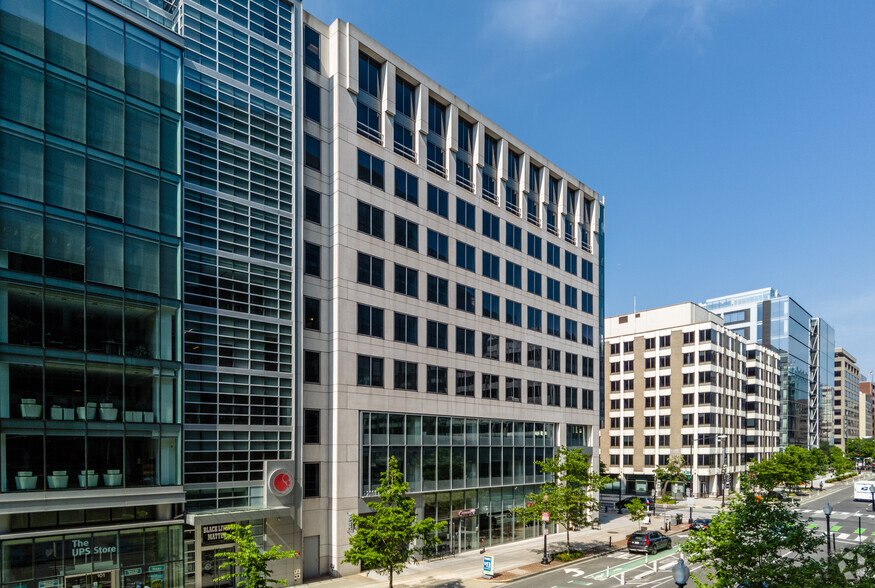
x=678, y=518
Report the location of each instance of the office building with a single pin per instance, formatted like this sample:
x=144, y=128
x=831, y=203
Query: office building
x=849, y=409
x=681, y=384
x=90, y=358
x=452, y=302
x=867, y=401
x=239, y=188
x=806, y=344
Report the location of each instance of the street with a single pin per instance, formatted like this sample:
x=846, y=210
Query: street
x=851, y=521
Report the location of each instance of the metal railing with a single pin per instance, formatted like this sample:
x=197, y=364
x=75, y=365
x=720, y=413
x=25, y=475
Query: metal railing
x=437, y=168
x=373, y=134
x=512, y=207
x=464, y=183
x=405, y=151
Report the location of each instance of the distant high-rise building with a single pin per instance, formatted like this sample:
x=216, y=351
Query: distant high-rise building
x=806, y=344
x=867, y=400
x=848, y=404
x=90, y=253
x=683, y=385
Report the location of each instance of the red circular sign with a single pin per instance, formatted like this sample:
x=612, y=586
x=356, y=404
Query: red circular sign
x=281, y=482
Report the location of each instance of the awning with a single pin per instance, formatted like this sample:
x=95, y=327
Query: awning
x=232, y=515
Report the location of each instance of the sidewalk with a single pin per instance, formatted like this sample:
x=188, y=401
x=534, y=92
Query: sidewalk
x=521, y=558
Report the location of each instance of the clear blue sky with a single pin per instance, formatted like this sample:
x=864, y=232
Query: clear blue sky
x=734, y=140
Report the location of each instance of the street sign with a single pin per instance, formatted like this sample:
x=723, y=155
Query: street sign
x=545, y=517
x=467, y=513
x=691, y=502
x=488, y=565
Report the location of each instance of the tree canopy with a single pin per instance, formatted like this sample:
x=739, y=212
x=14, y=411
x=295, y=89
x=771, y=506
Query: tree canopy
x=251, y=561
x=386, y=540
x=672, y=472
x=569, y=495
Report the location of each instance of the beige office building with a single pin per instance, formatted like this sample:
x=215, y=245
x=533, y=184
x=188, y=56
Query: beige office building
x=680, y=383
x=847, y=400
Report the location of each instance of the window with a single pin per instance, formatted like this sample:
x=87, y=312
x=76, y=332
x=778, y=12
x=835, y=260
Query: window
x=571, y=263
x=465, y=298
x=552, y=290
x=405, y=375
x=615, y=348
x=533, y=357
x=436, y=117
x=553, y=254
x=513, y=274
x=586, y=399
x=405, y=94
x=586, y=270
x=312, y=206
x=629, y=422
x=513, y=236
x=406, y=186
x=369, y=75
x=586, y=302
x=533, y=392
x=688, y=379
x=368, y=120
x=437, y=289
x=534, y=318
x=369, y=270
x=554, y=360
x=664, y=361
x=649, y=363
x=628, y=346
x=312, y=152
x=406, y=233
x=465, y=383
x=615, y=460
x=312, y=102
x=571, y=363
x=490, y=386
x=664, y=420
x=466, y=214
x=464, y=341
x=649, y=421
x=586, y=336
x=649, y=383
x=436, y=335
x=436, y=379
x=311, y=367
x=534, y=246
x=553, y=395
x=664, y=401
x=649, y=343
x=491, y=226
x=554, y=325
x=513, y=313
x=437, y=246
x=689, y=338
x=588, y=367
x=490, y=346
x=570, y=296
x=311, y=48
x=628, y=365
x=570, y=397
x=406, y=328
x=370, y=170
x=665, y=340
x=615, y=367
x=370, y=371
x=311, y=313
x=491, y=306
x=311, y=426
x=512, y=390
x=513, y=351
x=534, y=282
x=370, y=220
x=465, y=256
x=406, y=281
x=437, y=201
x=370, y=321
x=312, y=261
x=491, y=266
x=311, y=480
x=570, y=330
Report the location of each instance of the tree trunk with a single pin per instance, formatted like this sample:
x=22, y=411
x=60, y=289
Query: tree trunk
x=390, y=577
x=567, y=537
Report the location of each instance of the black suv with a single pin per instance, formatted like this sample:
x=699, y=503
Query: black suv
x=700, y=524
x=647, y=502
x=648, y=541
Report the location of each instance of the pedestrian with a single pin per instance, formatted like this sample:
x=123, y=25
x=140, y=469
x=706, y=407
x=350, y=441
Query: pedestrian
x=821, y=485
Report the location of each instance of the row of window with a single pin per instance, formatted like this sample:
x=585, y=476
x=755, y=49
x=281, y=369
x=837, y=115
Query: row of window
x=687, y=420
x=689, y=337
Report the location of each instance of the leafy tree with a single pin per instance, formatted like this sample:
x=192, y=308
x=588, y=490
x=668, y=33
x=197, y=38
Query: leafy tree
x=766, y=474
x=672, y=472
x=864, y=447
x=384, y=541
x=569, y=495
x=853, y=566
x=756, y=543
x=252, y=561
x=840, y=463
x=637, y=511
x=819, y=459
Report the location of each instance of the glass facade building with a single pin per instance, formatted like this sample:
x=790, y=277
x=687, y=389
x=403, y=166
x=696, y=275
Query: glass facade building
x=90, y=245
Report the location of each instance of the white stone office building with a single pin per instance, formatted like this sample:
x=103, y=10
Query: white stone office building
x=682, y=384
x=451, y=301
x=849, y=408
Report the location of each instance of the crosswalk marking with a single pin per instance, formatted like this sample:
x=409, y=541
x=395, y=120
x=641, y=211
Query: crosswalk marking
x=859, y=531
x=842, y=535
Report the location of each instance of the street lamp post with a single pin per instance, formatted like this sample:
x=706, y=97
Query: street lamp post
x=722, y=471
x=544, y=560
x=872, y=490
x=827, y=510
x=681, y=573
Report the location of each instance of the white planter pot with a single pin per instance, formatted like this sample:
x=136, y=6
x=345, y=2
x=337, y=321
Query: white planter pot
x=25, y=482
x=58, y=480
x=88, y=480
x=57, y=413
x=108, y=414
x=148, y=417
x=87, y=412
x=112, y=478
x=31, y=411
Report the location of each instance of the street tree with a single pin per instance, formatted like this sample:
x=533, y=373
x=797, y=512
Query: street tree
x=766, y=473
x=252, y=562
x=672, y=472
x=569, y=495
x=637, y=510
x=391, y=538
x=839, y=461
x=754, y=542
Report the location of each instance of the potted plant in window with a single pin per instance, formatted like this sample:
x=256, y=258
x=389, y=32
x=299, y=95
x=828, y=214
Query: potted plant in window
x=25, y=481
x=30, y=409
x=112, y=478
x=58, y=479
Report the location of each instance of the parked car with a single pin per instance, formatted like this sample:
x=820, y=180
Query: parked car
x=775, y=495
x=648, y=542
x=624, y=503
x=700, y=524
